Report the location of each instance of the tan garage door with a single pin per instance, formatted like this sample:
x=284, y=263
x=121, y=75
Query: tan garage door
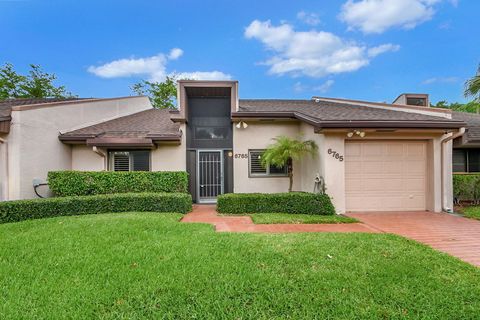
x=385, y=175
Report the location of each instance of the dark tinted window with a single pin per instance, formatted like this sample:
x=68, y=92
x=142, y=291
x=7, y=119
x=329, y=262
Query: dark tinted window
x=256, y=168
x=459, y=161
x=473, y=161
x=135, y=160
x=416, y=101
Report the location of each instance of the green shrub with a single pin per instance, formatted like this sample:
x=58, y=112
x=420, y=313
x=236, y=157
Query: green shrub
x=466, y=186
x=11, y=211
x=83, y=183
x=291, y=202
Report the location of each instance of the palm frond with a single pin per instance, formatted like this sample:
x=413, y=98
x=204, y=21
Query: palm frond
x=472, y=86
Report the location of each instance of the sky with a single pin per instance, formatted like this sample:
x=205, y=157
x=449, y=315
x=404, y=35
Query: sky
x=359, y=49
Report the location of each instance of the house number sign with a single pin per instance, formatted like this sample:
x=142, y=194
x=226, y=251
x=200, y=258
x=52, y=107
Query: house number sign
x=241, y=155
x=335, y=154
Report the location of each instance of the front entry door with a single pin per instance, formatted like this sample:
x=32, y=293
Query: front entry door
x=209, y=175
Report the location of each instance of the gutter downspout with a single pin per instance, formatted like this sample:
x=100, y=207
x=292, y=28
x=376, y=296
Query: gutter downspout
x=101, y=154
x=459, y=133
x=5, y=191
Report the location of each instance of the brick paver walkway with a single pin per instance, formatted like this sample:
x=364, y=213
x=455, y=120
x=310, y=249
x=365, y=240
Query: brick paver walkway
x=208, y=214
x=457, y=236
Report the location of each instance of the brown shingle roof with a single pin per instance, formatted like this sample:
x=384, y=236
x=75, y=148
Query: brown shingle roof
x=473, y=124
x=154, y=124
x=324, y=113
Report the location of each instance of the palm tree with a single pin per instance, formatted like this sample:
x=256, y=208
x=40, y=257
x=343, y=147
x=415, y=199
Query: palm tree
x=472, y=86
x=284, y=150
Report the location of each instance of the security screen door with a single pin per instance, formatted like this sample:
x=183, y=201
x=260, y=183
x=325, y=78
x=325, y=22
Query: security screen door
x=210, y=175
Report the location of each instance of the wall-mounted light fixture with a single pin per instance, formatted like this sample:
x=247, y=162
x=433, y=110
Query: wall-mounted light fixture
x=359, y=133
x=242, y=124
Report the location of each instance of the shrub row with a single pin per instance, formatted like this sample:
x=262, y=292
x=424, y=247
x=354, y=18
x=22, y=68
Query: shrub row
x=292, y=202
x=466, y=186
x=83, y=183
x=11, y=211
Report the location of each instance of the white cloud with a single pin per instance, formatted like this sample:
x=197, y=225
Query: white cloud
x=376, y=16
x=375, y=51
x=440, y=80
x=311, y=19
x=324, y=87
x=175, y=53
x=311, y=53
x=154, y=68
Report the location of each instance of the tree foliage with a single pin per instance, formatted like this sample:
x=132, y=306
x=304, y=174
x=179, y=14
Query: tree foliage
x=36, y=84
x=284, y=150
x=162, y=94
x=472, y=86
x=472, y=106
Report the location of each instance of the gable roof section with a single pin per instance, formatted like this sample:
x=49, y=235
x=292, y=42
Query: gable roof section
x=141, y=129
x=331, y=114
x=472, y=136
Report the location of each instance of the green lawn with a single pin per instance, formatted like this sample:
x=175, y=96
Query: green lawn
x=272, y=218
x=471, y=212
x=147, y=265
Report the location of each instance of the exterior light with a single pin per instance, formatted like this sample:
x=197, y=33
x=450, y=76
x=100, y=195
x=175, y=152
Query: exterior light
x=245, y=125
x=350, y=134
x=241, y=125
x=362, y=134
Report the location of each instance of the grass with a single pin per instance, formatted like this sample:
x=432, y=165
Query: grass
x=147, y=265
x=471, y=212
x=273, y=218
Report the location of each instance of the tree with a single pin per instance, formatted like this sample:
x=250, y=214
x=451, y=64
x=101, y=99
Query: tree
x=37, y=84
x=472, y=106
x=162, y=94
x=284, y=151
x=472, y=86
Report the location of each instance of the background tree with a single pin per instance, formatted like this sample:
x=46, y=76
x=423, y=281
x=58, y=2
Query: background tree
x=163, y=95
x=472, y=107
x=36, y=84
x=472, y=86
x=284, y=151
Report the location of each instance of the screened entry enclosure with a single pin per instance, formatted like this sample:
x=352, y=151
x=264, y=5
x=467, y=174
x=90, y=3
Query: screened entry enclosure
x=209, y=175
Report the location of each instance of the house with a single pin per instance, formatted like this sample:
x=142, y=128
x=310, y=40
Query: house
x=466, y=149
x=372, y=156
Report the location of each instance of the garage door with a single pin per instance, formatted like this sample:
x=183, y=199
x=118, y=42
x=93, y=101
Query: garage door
x=385, y=175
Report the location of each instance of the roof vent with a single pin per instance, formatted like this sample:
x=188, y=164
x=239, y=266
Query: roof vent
x=413, y=99
x=317, y=100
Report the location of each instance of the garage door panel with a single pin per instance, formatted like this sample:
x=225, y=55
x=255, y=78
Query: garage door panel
x=385, y=175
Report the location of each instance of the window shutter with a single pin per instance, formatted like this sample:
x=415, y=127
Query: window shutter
x=121, y=161
x=256, y=164
x=141, y=160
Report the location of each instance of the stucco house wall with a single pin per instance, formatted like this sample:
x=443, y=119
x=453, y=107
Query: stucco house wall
x=34, y=148
x=258, y=135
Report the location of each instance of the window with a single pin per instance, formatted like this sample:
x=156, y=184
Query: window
x=417, y=102
x=202, y=133
x=466, y=160
x=136, y=160
x=257, y=170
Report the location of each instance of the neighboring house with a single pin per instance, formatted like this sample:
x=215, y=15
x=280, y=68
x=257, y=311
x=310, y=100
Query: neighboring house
x=372, y=156
x=466, y=149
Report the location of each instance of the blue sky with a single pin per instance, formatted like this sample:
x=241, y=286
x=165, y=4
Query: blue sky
x=359, y=49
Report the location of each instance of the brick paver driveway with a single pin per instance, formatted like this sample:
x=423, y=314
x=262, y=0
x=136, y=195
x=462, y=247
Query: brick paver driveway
x=454, y=235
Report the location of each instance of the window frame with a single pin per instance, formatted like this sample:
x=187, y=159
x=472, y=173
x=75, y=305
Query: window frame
x=267, y=173
x=467, y=165
x=111, y=157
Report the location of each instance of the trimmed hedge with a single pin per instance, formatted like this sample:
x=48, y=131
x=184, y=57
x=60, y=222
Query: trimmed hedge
x=466, y=186
x=83, y=183
x=292, y=202
x=12, y=211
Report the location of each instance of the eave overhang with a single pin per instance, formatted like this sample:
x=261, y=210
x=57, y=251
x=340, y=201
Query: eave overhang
x=320, y=124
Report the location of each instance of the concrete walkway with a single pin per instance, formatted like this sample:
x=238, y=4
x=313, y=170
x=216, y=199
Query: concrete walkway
x=208, y=214
x=457, y=236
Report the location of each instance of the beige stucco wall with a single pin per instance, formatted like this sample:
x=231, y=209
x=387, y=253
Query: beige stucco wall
x=85, y=159
x=258, y=135
x=3, y=167
x=34, y=148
